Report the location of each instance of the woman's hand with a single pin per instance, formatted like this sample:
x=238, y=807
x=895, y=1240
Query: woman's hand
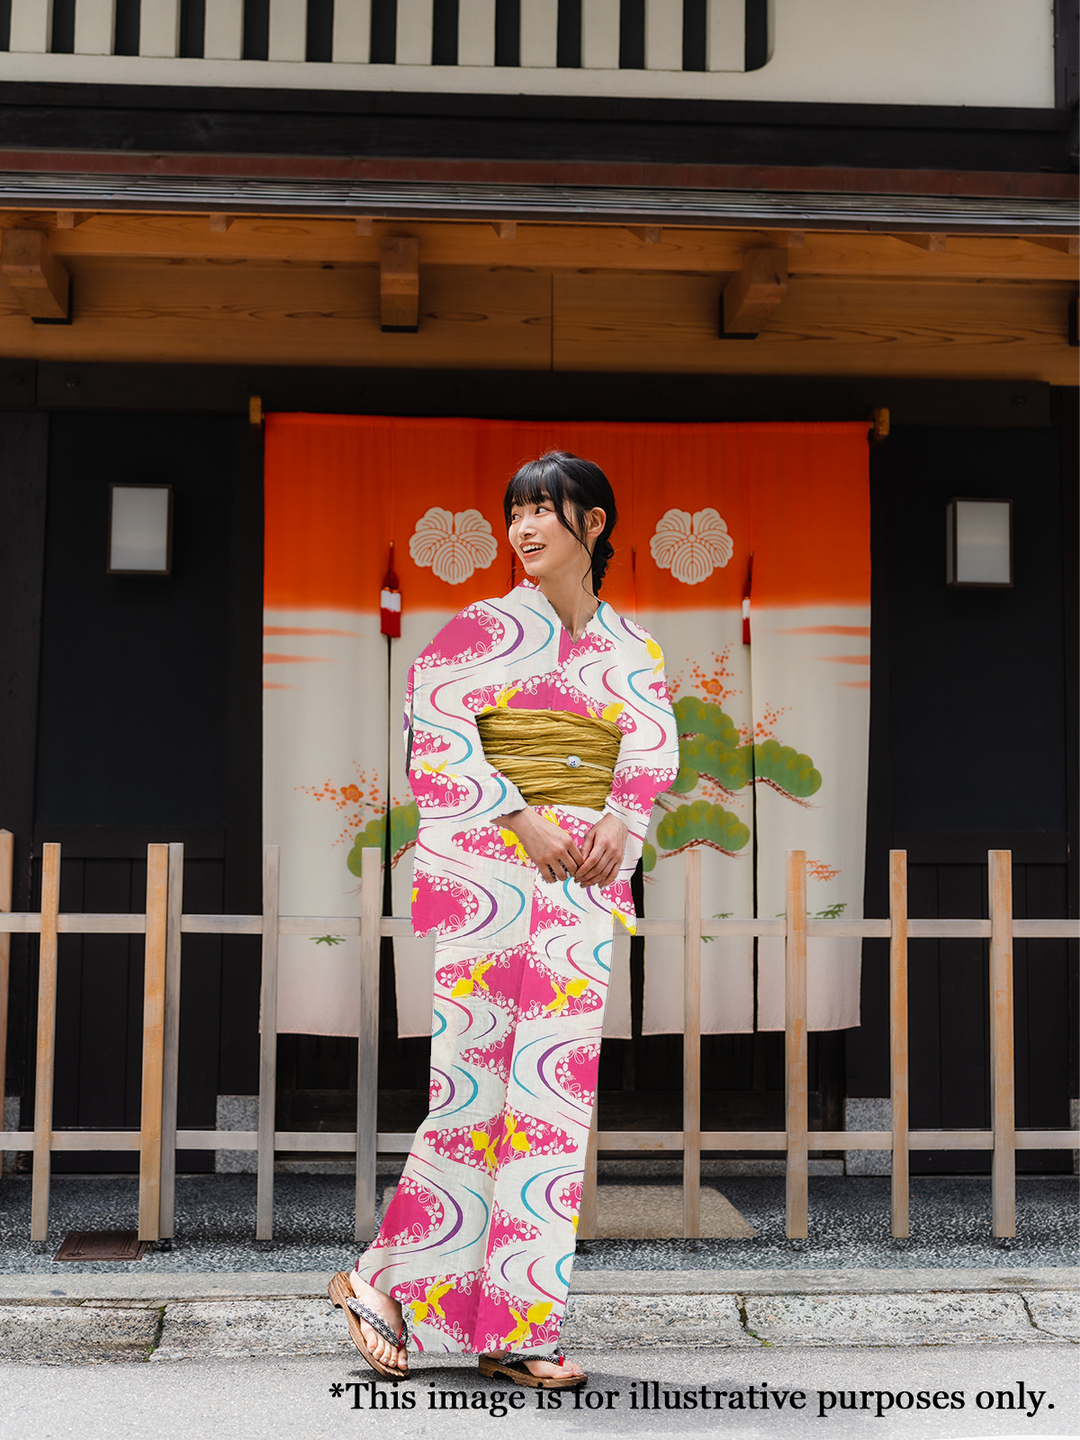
x=551, y=849
x=602, y=851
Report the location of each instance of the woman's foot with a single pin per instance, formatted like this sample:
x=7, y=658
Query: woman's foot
x=387, y=1309
x=545, y=1369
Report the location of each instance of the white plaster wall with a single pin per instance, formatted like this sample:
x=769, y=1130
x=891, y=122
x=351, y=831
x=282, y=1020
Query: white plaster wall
x=899, y=52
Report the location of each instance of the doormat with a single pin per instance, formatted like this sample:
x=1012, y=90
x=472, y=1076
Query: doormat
x=655, y=1212
x=102, y=1245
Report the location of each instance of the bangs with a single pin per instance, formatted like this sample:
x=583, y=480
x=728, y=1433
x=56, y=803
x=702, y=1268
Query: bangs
x=538, y=480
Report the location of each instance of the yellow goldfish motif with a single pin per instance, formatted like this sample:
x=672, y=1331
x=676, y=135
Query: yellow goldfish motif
x=434, y=769
x=416, y=891
x=534, y=1315
x=502, y=700
x=629, y=921
x=430, y=1301
x=655, y=653
x=476, y=977
x=483, y=1141
x=573, y=987
x=612, y=712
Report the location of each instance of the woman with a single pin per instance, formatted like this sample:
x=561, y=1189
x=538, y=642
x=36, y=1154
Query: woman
x=539, y=733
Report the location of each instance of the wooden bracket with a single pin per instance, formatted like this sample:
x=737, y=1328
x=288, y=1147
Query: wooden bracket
x=647, y=234
x=1065, y=244
x=505, y=229
x=924, y=242
x=796, y=240
x=72, y=219
x=38, y=279
x=399, y=284
x=364, y=225
x=879, y=424
x=220, y=223
x=751, y=296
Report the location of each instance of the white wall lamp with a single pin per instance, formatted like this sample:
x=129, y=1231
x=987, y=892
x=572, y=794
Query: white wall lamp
x=978, y=544
x=140, y=530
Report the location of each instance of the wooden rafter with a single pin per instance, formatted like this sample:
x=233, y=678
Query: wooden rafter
x=752, y=294
x=399, y=283
x=38, y=279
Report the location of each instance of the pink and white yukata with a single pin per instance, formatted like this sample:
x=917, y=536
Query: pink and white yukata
x=478, y=1241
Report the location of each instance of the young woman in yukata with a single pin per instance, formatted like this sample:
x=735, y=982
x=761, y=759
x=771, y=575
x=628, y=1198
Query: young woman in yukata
x=539, y=733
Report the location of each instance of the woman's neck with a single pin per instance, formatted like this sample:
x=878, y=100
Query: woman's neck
x=572, y=599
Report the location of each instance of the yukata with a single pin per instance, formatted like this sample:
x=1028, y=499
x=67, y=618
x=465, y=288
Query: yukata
x=478, y=1241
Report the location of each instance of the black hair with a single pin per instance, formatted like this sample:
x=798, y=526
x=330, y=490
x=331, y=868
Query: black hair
x=569, y=482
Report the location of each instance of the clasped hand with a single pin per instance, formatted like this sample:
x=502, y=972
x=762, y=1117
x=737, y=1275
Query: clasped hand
x=557, y=857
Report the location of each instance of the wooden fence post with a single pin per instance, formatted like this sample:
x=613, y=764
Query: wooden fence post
x=367, y=1049
x=898, y=1039
x=795, y=1047
x=170, y=1072
x=264, y=1200
x=7, y=870
x=46, y=1044
x=692, y=1047
x=1002, y=1097
x=157, y=914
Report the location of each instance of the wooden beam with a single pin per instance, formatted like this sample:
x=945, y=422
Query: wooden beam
x=751, y=296
x=1064, y=244
x=38, y=279
x=399, y=284
x=72, y=219
x=898, y=1041
x=934, y=242
x=795, y=1073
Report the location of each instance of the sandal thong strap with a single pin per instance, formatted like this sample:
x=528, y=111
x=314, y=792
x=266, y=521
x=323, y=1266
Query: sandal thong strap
x=377, y=1323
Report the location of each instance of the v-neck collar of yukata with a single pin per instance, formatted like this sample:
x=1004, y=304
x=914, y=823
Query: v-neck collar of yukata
x=564, y=634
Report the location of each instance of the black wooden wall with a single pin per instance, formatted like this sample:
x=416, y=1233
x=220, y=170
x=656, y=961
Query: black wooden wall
x=131, y=712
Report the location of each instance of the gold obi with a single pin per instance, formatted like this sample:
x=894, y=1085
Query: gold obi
x=553, y=756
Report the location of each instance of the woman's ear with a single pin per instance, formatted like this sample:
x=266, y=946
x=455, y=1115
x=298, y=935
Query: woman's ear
x=595, y=521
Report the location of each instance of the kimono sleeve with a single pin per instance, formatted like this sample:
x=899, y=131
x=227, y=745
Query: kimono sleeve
x=649, y=754
x=450, y=777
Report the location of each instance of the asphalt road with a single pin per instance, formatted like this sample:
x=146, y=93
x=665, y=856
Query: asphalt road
x=308, y=1399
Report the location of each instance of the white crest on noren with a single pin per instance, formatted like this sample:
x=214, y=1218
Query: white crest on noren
x=691, y=546
x=454, y=544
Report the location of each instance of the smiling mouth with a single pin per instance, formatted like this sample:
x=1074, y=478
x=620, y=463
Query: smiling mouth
x=531, y=549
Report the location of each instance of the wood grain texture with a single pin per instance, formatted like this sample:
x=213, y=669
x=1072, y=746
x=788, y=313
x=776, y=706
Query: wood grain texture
x=692, y=1047
x=757, y=288
x=35, y=276
x=153, y=1046
x=170, y=1069
x=1002, y=1044
x=289, y=314
x=795, y=1038
x=898, y=1040
x=46, y=1044
x=367, y=1050
x=264, y=1201
x=399, y=283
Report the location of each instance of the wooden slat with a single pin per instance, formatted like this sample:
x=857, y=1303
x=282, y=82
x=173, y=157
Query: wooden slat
x=898, y=1039
x=948, y=929
x=795, y=1088
x=318, y=925
x=414, y=32
x=643, y=1140
x=476, y=32
x=96, y=1140
x=7, y=870
x=170, y=1071
x=539, y=39
x=352, y=33
x=1002, y=1098
x=153, y=1046
x=663, y=34
x=586, y=1226
x=223, y=32
x=1047, y=1139
x=221, y=925
x=31, y=26
x=725, y=35
x=159, y=28
x=100, y=924
x=264, y=1204
x=600, y=34
x=692, y=1048
x=20, y=923
x=46, y=1044
x=367, y=1056
x=1046, y=929
x=848, y=929
x=288, y=30
x=95, y=22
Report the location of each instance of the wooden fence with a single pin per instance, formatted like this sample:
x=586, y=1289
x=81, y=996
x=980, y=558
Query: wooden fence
x=164, y=924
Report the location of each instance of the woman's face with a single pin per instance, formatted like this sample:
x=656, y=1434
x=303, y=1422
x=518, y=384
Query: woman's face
x=544, y=545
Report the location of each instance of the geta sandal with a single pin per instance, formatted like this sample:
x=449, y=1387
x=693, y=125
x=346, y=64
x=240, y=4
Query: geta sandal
x=341, y=1293
x=513, y=1368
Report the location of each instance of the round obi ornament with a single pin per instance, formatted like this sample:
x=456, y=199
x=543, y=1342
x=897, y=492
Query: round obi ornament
x=574, y=761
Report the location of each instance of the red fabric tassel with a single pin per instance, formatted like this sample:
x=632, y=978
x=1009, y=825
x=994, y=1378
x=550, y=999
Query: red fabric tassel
x=390, y=601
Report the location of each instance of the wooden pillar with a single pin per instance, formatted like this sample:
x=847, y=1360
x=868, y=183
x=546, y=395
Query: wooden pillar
x=1002, y=1096
x=7, y=872
x=157, y=902
x=692, y=1048
x=264, y=1203
x=367, y=1050
x=795, y=1047
x=46, y=1045
x=898, y=1038
x=170, y=1070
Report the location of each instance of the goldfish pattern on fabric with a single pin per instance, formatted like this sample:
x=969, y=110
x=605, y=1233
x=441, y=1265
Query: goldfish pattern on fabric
x=478, y=1240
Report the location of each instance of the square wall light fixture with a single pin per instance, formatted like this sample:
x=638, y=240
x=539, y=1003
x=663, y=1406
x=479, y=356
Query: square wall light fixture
x=140, y=529
x=978, y=544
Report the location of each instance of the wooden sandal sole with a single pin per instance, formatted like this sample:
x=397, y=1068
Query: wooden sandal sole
x=340, y=1291
x=519, y=1375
